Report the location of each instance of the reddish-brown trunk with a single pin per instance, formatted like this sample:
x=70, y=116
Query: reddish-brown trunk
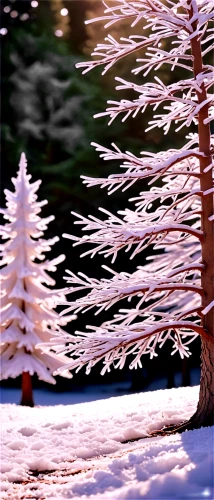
x=205, y=411
x=204, y=415
x=27, y=391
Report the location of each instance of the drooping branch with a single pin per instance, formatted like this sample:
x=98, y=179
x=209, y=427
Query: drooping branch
x=173, y=162
x=113, y=234
x=104, y=293
x=181, y=109
x=115, y=344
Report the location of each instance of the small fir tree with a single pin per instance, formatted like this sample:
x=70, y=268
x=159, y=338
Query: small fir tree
x=27, y=306
x=173, y=294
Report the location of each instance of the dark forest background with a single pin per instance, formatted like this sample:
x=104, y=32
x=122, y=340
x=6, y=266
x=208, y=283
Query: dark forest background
x=47, y=112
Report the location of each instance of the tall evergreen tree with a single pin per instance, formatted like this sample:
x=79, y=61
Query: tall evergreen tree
x=173, y=295
x=28, y=317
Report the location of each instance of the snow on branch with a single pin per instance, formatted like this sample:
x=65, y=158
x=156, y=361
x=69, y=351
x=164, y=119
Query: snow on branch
x=135, y=11
x=113, y=234
x=162, y=20
x=181, y=109
x=155, y=58
x=149, y=164
x=114, y=344
x=106, y=292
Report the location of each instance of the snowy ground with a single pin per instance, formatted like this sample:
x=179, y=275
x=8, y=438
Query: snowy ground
x=85, y=450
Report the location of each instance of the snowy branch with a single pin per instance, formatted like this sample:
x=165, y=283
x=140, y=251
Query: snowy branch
x=115, y=344
x=104, y=293
x=165, y=21
x=148, y=165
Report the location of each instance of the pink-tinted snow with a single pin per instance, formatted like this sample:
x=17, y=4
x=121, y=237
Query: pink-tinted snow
x=83, y=451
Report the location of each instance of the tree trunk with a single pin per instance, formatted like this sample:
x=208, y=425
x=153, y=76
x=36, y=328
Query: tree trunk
x=204, y=415
x=27, y=392
x=205, y=410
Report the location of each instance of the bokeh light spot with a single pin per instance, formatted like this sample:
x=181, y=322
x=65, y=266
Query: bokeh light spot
x=3, y=31
x=24, y=17
x=59, y=33
x=14, y=13
x=64, y=12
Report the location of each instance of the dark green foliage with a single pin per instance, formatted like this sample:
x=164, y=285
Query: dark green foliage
x=51, y=118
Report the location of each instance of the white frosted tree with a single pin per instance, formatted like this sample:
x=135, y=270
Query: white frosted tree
x=28, y=317
x=173, y=294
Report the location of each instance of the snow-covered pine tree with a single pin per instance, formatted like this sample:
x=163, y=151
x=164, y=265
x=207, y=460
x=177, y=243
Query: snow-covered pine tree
x=174, y=291
x=27, y=306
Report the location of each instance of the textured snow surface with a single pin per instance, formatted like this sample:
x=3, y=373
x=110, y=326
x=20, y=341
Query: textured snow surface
x=78, y=451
